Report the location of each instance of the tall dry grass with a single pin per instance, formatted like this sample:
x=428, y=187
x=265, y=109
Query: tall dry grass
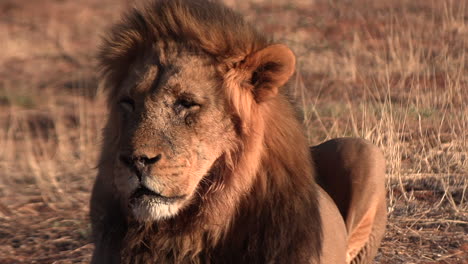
x=403, y=84
x=51, y=152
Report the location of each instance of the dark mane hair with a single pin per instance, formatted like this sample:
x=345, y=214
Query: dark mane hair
x=205, y=25
x=259, y=203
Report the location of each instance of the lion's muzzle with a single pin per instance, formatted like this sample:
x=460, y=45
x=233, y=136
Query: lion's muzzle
x=139, y=164
x=144, y=193
x=151, y=193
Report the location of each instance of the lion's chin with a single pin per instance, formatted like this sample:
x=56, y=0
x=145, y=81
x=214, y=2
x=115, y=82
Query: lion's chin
x=152, y=209
x=147, y=205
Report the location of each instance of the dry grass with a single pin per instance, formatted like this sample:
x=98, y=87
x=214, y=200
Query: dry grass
x=394, y=72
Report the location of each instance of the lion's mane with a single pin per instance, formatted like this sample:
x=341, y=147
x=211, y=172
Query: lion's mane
x=265, y=187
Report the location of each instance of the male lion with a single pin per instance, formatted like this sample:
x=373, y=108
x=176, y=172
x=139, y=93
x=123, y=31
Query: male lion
x=204, y=160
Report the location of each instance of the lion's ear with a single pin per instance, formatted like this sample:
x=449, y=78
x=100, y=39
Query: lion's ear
x=269, y=69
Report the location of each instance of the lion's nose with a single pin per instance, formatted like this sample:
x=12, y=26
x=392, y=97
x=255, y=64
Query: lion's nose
x=139, y=163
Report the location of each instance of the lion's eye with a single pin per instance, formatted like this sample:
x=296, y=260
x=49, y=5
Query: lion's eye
x=127, y=104
x=187, y=104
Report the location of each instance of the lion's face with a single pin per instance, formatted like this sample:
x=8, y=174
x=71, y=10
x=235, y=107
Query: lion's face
x=173, y=127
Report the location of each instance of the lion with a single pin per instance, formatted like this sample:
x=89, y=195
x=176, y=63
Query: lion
x=204, y=159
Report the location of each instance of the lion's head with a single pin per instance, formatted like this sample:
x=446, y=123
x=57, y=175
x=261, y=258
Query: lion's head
x=185, y=97
x=204, y=158
x=173, y=127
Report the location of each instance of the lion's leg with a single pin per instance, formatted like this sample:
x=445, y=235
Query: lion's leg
x=333, y=246
x=107, y=226
x=352, y=171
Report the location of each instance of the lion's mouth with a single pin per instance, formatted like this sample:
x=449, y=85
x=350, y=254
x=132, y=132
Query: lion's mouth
x=144, y=193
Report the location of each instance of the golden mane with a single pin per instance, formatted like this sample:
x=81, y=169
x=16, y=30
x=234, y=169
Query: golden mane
x=205, y=25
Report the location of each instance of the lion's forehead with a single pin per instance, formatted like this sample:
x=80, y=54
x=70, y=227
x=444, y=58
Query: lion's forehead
x=190, y=73
x=180, y=72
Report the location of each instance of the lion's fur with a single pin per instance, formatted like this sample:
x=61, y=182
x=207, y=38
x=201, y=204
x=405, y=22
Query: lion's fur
x=259, y=202
x=213, y=28
x=264, y=186
x=280, y=231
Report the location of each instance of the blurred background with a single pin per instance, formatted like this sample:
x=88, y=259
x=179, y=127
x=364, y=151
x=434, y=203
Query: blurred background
x=394, y=72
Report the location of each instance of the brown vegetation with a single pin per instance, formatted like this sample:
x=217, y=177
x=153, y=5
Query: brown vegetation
x=393, y=72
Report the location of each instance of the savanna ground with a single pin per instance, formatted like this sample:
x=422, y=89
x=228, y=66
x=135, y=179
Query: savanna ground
x=394, y=72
